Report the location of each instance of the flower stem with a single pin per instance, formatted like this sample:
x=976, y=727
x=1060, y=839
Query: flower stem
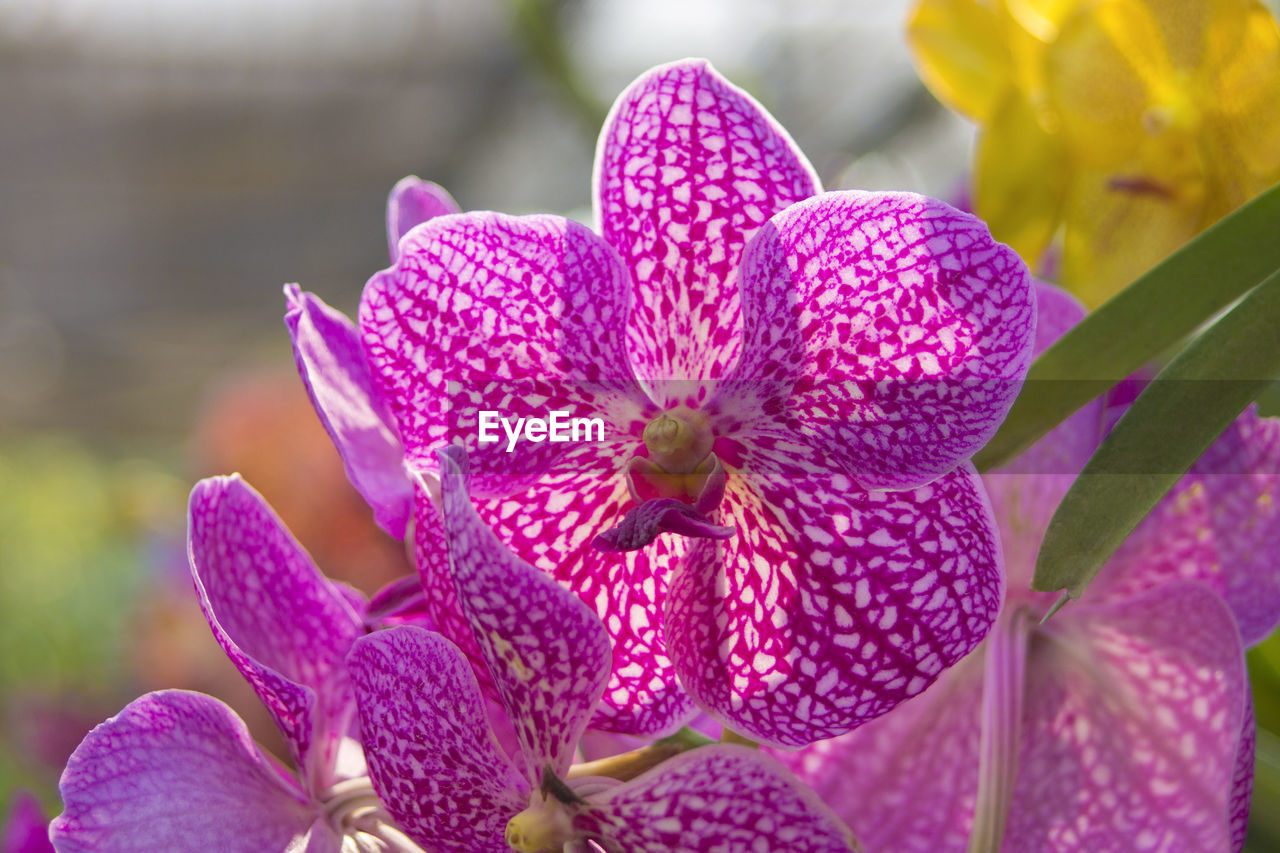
x=1002, y=695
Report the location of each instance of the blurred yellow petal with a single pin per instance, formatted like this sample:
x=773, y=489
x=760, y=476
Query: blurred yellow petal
x=1117, y=227
x=1199, y=34
x=961, y=54
x=1020, y=178
x=1099, y=76
x=1247, y=100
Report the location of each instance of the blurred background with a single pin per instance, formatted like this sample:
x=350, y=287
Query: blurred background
x=166, y=165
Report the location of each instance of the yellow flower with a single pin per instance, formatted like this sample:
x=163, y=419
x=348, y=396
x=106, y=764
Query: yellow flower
x=1129, y=125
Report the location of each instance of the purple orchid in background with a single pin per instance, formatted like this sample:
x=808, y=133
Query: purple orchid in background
x=178, y=770
x=25, y=829
x=337, y=376
x=442, y=775
x=1124, y=722
x=826, y=348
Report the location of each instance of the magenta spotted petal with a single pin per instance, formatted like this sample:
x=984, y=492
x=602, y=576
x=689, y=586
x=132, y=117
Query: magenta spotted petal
x=520, y=316
x=718, y=799
x=331, y=361
x=1142, y=699
x=178, y=771
x=284, y=625
x=411, y=202
x=688, y=167
x=906, y=782
x=547, y=653
x=889, y=328
x=432, y=755
x=895, y=587
x=1219, y=524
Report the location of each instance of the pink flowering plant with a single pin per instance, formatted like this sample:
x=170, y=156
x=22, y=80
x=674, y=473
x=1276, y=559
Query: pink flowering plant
x=768, y=529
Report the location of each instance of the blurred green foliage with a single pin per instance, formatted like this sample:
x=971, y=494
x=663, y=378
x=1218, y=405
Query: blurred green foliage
x=73, y=539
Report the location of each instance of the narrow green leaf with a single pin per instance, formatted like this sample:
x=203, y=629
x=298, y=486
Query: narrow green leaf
x=1166, y=429
x=1142, y=321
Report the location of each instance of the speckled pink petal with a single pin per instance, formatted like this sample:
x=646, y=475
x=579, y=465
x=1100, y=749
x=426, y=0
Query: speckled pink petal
x=1220, y=524
x=906, y=782
x=889, y=327
x=547, y=653
x=1133, y=721
x=687, y=168
x=411, y=202
x=1026, y=492
x=432, y=756
x=1242, y=781
x=177, y=771
x=518, y=316
x=25, y=829
x=832, y=604
x=331, y=361
x=552, y=526
x=717, y=799
x=283, y=624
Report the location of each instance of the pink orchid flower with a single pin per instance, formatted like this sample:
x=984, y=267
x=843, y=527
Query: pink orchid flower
x=443, y=776
x=1124, y=722
x=179, y=771
x=766, y=361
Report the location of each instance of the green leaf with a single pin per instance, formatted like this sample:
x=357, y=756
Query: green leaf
x=1165, y=431
x=1142, y=321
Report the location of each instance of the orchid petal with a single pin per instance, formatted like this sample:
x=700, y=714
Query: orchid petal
x=411, y=202
x=523, y=316
x=1220, y=524
x=643, y=524
x=432, y=756
x=177, y=771
x=1133, y=721
x=283, y=624
x=548, y=654
x=717, y=798
x=688, y=167
x=879, y=777
x=890, y=327
x=552, y=526
x=26, y=829
x=331, y=361
x=832, y=604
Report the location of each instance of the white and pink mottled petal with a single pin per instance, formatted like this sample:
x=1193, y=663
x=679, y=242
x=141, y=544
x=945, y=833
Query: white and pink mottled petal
x=1133, y=722
x=548, y=654
x=890, y=328
x=432, y=755
x=519, y=316
x=717, y=799
x=878, y=777
x=411, y=202
x=285, y=626
x=178, y=771
x=688, y=166
x=1220, y=524
x=337, y=376
x=553, y=527
x=832, y=604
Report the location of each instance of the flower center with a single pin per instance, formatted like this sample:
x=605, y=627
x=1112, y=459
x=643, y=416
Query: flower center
x=678, y=440
x=545, y=827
